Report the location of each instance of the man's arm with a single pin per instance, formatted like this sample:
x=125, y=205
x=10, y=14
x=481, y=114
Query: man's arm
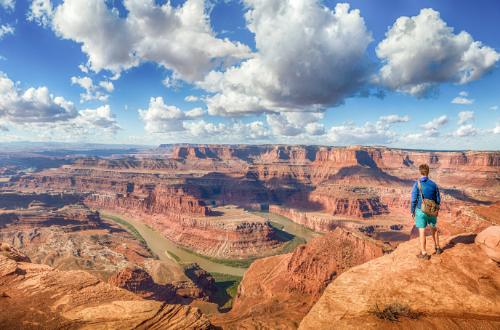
x=414, y=199
x=438, y=195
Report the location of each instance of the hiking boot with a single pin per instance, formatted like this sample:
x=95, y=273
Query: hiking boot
x=438, y=251
x=423, y=256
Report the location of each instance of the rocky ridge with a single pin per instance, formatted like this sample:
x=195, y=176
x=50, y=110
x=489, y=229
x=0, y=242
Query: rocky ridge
x=276, y=292
x=77, y=300
x=457, y=289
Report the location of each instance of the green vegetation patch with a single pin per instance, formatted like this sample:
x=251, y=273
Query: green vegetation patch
x=277, y=225
x=292, y=241
x=291, y=245
x=238, y=263
x=227, y=287
x=174, y=256
x=131, y=229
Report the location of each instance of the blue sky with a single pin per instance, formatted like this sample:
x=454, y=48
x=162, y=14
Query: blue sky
x=253, y=71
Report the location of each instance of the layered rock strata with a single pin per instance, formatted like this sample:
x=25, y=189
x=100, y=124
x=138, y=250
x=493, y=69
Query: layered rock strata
x=276, y=292
x=305, y=181
x=76, y=238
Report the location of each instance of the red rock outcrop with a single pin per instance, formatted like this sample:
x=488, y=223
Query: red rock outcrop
x=455, y=290
x=138, y=281
x=200, y=287
x=222, y=235
x=72, y=237
x=276, y=292
x=489, y=241
x=76, y=238
x=12, y=253
x=77, y=300
x=315, y=221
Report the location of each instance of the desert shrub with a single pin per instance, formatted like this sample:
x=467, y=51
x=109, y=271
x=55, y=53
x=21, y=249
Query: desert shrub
x=392, y=312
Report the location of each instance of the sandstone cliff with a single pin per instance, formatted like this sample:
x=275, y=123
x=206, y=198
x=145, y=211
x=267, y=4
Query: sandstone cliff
x=457, y=289
x=276, y=292
x=37, y=296
x=309, y=184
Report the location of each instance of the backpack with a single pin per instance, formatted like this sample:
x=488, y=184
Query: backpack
x=429, y=207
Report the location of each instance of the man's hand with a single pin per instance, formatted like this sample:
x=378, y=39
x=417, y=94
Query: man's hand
x=413, y=215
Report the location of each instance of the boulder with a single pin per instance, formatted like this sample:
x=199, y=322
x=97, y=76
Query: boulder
x=489, y=241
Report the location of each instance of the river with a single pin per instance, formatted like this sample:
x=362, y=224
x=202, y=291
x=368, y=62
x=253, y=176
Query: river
x=160, y=245
x=289, y=226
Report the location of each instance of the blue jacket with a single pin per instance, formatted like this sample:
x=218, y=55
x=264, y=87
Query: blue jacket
x=430, y=190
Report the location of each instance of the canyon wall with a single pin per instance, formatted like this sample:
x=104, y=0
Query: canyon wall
x=276, y=292
x=217, y=235
x=313, y=185
x=73, y=237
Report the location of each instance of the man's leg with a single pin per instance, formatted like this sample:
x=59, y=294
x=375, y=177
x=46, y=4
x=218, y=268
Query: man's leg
x=435, y=237
x=421, y=234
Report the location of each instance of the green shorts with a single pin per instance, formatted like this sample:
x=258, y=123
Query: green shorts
x=422, y=219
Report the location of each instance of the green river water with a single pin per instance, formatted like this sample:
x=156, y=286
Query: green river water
x=160, y=245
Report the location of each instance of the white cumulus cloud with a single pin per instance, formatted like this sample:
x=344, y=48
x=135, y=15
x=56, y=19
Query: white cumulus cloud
x=33, y=105
x=222, y=132
x=466, y=130
x=8, y=4
x=162, y=118
x=422, y=51
x=462, y=98
x=6, y=29
x=432, y=127
x=295, y=123
x=178, y=38
x=191, y=98
x=41, y=12
x=465, y=117
x=93, y=91
x=370, y=133
x=107, y=85
x=100, y=117
x=308, y=57
x=51, y=117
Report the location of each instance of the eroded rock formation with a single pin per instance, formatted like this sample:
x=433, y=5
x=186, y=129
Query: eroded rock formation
x=276, y=292
x=78, y=300
x=457, y=289
x=489, y=241
x=71, y=238
x=75, y=238
x=176, y=190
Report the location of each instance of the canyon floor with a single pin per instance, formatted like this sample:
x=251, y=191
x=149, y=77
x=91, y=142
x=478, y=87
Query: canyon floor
x=246, y=237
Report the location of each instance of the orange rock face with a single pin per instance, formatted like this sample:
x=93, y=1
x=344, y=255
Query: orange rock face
x=489, y=241
x=276, y=292
x=76, y=299
x=139, y=281
x=457, y=289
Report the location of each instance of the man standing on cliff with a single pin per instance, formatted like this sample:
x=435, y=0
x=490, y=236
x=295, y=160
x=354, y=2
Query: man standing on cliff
x=425, y=200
